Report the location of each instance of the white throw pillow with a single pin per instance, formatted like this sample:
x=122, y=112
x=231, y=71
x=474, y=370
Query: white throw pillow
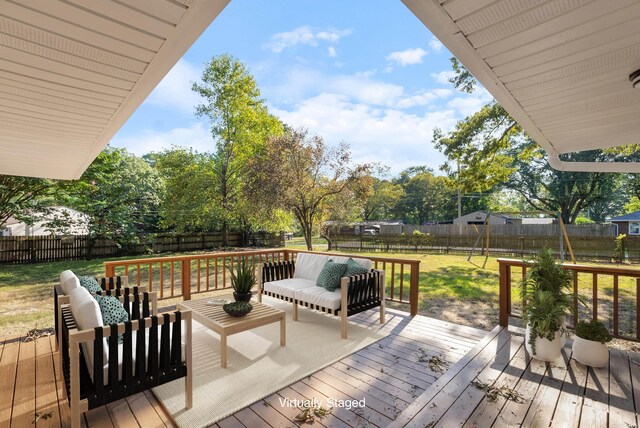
x=70, y=284
x=65, y=275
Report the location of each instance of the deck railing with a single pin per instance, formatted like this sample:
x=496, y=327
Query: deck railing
x=609, y=294
x=182, y=276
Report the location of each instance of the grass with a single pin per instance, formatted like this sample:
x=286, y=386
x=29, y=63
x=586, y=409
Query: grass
x=451, y=288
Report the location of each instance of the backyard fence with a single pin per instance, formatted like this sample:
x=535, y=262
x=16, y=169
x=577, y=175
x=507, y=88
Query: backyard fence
x=597, y=248
x=31, y=249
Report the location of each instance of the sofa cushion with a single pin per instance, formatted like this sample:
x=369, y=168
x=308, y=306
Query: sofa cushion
x=319, y=296
x=329, y=277
x=69, y=284
x=86, y=312
x=90, y=284
x=288, y=287
x=309, y=266
x=354, y=268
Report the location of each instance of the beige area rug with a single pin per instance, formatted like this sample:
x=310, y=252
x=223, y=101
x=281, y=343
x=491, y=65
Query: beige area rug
x=257, y=366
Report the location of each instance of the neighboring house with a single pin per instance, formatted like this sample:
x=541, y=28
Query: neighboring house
x=78, y=224
x=539, y=220
x=628, y=224
x=479, y=217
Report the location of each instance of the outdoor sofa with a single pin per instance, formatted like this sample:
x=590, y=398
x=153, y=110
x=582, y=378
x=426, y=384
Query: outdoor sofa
x=296, y=281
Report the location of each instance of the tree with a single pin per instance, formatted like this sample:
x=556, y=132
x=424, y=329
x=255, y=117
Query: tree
x=240, y=123
x=22, y=197
x=189, y=198
x=381, y=201
x=426, y=197
x=494, y=151
x=299, y=173
x=119, y=193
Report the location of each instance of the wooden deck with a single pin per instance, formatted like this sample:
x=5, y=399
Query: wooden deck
x=390, y=374
x=565, y=394
x=393, y=375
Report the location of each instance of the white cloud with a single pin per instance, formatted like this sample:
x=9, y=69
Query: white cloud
x=423, y=98
x=407, y=57
x=435, y=44
x=444, y=76
x=468, y=104
x=174, y=91
x=197, y=136
x=390, y=136
x=304, y=35
x=331, y=51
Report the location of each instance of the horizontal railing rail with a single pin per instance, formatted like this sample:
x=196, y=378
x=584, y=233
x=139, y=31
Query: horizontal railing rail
x=610, y=294
x=182, y=276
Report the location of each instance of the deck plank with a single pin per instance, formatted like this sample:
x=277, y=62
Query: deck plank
x=419, y=412
x=160, y=411
x=46, y=394
x=487, y=411
x=468, y=396
x=303, y=390
x=569, y=405
x=8, y=370
x=144, y=411
x=63, y=405
x=544, y=401
x=595, y=407
x=634, y=363
x=24, y=399
x=621, y=407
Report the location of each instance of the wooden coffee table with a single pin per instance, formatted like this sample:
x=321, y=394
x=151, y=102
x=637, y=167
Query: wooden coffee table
x=215, y=318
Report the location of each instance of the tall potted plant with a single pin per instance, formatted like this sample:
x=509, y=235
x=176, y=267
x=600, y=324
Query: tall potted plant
x=547, y=299
x=242, y=280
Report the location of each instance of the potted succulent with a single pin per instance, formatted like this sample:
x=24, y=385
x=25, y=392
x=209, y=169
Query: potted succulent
x=243, y=280
x=547, y=300
x=589, y=343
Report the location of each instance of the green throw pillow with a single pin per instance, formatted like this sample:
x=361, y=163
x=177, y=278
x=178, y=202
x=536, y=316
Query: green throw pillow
x=329, y=278
x=353, y=268
x=112, y=311
x=90, y=284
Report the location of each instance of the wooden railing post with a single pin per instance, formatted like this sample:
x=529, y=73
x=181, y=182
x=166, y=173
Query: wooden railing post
x=186, y=278
x=109, y=270
x=414, y=287
x=505, y=293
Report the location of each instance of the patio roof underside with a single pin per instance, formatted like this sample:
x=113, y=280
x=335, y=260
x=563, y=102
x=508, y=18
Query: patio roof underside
x=560, y=67
x=73, y=71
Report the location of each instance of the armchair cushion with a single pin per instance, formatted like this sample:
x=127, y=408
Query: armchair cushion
x=354, y=268
x=329, y=277
x=87, y=314
x=288, y=287
x=113, y=311
x=69, y=284
x=66, y=274
x=90, y=284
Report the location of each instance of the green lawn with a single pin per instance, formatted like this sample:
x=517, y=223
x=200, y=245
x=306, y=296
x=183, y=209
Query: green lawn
x=451, y=288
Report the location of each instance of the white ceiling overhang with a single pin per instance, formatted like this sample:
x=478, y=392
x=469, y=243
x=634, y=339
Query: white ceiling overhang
x=73, y=71
x=559, y=67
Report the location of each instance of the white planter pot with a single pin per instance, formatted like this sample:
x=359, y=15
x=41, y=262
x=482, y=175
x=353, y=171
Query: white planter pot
x=546, y=350
x=590, y=353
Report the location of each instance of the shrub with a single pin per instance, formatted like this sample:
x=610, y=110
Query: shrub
x=593, y=330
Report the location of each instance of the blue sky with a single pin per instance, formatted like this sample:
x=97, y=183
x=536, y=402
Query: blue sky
x=364, y=72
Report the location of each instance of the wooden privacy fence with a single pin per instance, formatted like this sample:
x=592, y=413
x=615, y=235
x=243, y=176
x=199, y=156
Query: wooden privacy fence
x=31, y=249
x=610, y=294
x=506, y=229
x=584, y=247
x=183, y=276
